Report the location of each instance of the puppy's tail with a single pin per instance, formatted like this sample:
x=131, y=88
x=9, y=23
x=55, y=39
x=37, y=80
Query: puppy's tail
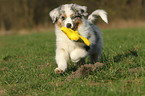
x=96, y=14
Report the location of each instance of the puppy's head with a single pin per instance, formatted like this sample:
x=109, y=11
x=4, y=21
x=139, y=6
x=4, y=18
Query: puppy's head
x=68, y=15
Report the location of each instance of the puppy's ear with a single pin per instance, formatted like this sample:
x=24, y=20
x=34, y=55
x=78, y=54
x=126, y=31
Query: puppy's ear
x=81, y=9
x=54, y=14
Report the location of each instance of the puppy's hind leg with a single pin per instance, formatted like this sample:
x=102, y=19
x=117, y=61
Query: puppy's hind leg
x=61, y=60
x=96, y=54
x=96, y=51
x=93, y=58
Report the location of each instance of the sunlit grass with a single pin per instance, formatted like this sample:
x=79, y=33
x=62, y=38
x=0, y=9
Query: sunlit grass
x=27, y=64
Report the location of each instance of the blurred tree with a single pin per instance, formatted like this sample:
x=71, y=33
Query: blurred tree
x=17, y=14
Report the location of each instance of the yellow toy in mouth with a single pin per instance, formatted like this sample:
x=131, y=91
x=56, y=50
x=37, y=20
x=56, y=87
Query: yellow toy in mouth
x=74, y=35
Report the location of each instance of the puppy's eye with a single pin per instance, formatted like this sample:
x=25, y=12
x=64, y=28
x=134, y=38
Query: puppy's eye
x=73, y=17
x=63, y=18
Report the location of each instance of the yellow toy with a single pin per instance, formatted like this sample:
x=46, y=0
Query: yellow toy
x=74, y=35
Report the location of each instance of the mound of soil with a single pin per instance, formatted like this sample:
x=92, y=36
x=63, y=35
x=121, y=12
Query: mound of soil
x=84, y=70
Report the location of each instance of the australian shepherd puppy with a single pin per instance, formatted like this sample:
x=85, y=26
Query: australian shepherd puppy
x=73, y=16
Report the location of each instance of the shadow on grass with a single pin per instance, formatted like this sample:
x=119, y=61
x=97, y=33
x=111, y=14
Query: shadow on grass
x=120, y=56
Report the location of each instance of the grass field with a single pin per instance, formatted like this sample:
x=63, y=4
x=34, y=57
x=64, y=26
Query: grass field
x=27, y=64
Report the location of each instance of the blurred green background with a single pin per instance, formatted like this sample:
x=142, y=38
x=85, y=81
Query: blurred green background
x=34, y=14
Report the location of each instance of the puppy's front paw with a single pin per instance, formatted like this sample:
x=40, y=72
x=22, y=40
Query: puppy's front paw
x=75, y=60
x=58, y=70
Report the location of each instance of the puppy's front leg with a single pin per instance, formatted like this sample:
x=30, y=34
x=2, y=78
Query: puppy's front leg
x=78, y=54
x=61, y=60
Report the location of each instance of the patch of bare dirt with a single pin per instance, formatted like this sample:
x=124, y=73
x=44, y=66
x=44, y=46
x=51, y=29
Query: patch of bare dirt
x=2, y=92
x=135, y=70
x=84, y=70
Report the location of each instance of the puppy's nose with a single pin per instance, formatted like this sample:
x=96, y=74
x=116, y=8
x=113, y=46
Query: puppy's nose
x=68, y=25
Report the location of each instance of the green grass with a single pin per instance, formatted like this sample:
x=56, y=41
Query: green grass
x=27, y=64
